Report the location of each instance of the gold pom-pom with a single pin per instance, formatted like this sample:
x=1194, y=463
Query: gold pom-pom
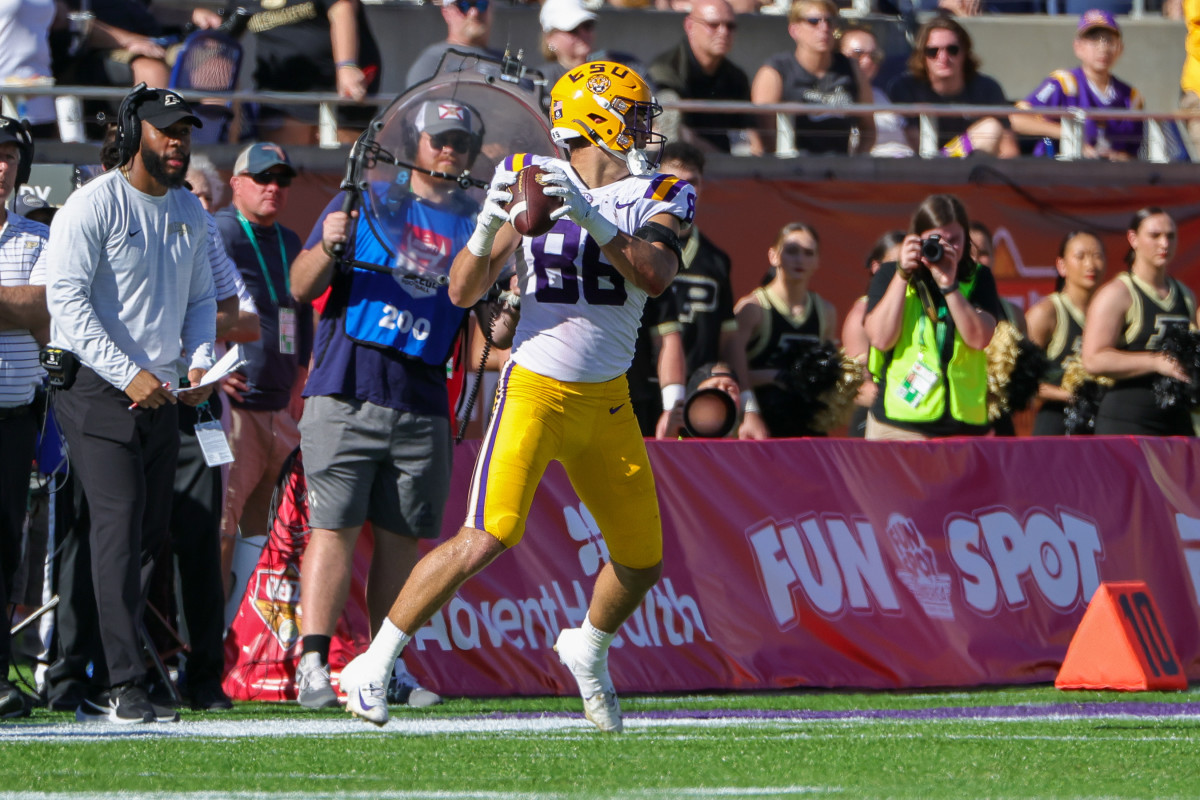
x=1074, y=375
x=1002, y=352
x=839, y=399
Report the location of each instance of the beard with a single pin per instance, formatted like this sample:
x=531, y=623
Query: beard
x=156, y=166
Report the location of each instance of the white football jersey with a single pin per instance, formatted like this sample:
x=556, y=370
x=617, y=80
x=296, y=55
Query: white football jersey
x=579, y=316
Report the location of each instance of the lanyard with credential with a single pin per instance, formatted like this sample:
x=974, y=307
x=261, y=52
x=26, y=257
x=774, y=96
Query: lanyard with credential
x=287, y=316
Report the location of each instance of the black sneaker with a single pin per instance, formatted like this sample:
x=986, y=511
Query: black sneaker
x=128, y=704
x=209, y=696
x=13, y=702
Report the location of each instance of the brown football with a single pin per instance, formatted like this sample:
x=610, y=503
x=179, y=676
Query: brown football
x=529, y=210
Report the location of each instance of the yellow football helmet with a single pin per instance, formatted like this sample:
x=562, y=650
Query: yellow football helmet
x=612, y=107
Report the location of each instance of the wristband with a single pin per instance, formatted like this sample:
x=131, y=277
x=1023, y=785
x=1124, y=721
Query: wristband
x=341, y=64
x=672, y=395
x=750, y=402
x=600, y=228
x=951, y=289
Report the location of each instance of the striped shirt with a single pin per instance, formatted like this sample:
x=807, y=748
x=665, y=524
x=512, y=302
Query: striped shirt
x=226, y=278
x=22, y=242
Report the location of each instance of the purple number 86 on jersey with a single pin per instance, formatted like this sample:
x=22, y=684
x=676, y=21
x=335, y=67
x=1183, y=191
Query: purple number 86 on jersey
x=566, y=258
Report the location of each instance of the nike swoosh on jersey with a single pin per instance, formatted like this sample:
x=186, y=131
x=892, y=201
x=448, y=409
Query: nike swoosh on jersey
x=615, y=410
x=135, y=233
x=626, y=205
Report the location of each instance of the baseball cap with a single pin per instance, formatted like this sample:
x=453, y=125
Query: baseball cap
x=25, y=202
x=439, y=116
x=261, y=157
x=1097, y=18
x=8, y=133
x=563, y=15
x=162, y=108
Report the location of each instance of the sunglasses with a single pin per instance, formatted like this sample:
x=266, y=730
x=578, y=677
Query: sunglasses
x=858, y=53
x=816, y=21
x=282, y=179
x=584, y=27
x=456, y=141
x=712, y=26
x=952, y=50
x=465, y=6
x=799, y=250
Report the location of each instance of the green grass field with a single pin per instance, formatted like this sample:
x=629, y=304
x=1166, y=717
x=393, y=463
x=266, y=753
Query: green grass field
x=1004, y=743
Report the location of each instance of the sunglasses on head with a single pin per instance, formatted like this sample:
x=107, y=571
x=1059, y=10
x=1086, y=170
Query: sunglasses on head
x=281, y=178
x=465, y=6
x=456, y=140
x=952, y=50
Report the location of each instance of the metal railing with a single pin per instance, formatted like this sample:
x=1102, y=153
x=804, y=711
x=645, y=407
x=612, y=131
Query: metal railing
x=1071, y=144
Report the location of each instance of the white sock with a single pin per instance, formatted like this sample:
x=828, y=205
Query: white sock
x=387, y=645
x=597, y=639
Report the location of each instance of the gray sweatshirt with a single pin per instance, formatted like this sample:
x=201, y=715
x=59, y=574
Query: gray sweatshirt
x=129, y=283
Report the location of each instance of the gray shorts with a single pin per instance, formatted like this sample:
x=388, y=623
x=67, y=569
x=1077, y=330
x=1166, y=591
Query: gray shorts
x=366, y=462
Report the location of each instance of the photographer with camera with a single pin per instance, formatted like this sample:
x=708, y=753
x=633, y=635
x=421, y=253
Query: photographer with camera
x=712, y=406
x=929, y=317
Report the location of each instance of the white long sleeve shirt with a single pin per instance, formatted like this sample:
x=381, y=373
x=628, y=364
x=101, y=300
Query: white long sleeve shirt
x=129, y=283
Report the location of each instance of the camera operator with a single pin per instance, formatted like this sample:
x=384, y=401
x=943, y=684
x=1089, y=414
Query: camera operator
x=129, y=288
x=376, y=426
x=929, y=317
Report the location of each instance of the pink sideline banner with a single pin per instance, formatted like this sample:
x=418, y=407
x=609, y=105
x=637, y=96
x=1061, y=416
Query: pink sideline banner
x=838, y=563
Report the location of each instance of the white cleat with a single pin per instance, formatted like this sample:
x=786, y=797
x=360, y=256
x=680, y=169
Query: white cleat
x=366, y=694
x=600, y=703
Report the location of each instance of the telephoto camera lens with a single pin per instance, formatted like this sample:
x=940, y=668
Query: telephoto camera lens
x=932, y=249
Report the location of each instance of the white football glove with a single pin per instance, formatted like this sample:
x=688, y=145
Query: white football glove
x=492, y=216
x=576, y=207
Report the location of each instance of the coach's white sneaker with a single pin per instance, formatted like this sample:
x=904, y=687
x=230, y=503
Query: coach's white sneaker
x=366, y=693
x=600, y=703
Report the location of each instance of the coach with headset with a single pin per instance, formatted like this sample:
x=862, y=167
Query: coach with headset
x=23, y=322
x=129, y=287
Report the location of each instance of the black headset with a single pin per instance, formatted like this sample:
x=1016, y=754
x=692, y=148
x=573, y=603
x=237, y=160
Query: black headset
x=129, y=124
x=19, y=129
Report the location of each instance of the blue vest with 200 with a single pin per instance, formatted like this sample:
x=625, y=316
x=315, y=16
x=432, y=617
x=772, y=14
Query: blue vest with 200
x=410, y=313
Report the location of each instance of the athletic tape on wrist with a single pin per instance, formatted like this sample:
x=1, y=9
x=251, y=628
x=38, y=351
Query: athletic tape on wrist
x=750, y=403
x=672, y=395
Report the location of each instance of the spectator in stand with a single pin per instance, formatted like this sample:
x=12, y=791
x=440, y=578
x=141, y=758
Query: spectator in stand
x=1056, y=322
x=1090, y=86
x=1125, y=323
x=23, y=328
x=468, y=28
x=568, y=30
x=703, y=292
x=860, y=45
x=944, y=70
x=854, y=335
x=25, y=56
x=698, y=68
x=773, y=318
x=815, y=72
x=312, y=46
x=265, y=394
x=924, y=312
x=206, y=182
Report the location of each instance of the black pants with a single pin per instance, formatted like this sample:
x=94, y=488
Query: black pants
x=18, y=435
x=125, y=462
x=195, y=540
x=76, y=641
